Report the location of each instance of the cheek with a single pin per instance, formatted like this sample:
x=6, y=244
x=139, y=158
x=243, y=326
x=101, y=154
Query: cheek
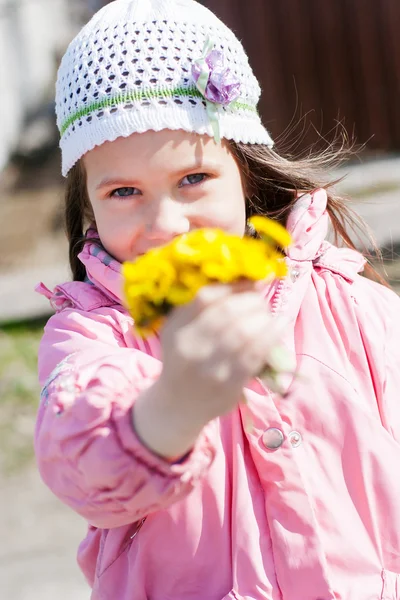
x=117, y=233
x=228, y=209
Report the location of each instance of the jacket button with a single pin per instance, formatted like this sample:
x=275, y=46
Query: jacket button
x=273, y=438
x=295, y=439
x=294, y=274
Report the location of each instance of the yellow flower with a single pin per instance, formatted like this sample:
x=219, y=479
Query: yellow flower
x=179, y=294
x=193, y=278
x=271, y=231
x=151, y=276
x=172, y=275
x=194, y=247
x=146, y=331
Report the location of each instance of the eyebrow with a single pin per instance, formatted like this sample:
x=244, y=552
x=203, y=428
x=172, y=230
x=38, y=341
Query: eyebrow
x=123, y=182
x=113, y=181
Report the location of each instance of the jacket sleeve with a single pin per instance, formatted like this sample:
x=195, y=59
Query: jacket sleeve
x=87, y=451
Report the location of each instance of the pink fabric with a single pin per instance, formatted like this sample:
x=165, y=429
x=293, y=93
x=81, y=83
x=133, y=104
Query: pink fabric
x=235, y=520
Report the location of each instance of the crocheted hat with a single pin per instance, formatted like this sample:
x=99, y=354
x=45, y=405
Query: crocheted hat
x=142, y=65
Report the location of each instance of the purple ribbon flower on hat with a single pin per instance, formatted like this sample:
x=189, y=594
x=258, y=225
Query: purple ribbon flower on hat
x=222, y=85
x=216, y=82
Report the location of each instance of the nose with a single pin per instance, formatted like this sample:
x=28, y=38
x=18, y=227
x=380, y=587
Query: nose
x=166, y=220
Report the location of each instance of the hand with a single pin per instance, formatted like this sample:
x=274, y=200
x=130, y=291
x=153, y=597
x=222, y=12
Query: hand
x=211, y=348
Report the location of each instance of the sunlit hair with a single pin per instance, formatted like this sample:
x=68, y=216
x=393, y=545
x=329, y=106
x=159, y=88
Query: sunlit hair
x=272, y=183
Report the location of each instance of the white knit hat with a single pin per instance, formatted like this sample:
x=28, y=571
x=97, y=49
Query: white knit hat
x=132, y=68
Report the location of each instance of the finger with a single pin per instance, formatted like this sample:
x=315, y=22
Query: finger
x=214, y=293
x=221, y=329
x=252, y=325
x=270, y=352
x=225, y=361
x=254, y=356
x=205, y=296
x=216, y=306
x=230, y=312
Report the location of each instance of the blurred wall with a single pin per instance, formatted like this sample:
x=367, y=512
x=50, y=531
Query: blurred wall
x=328, y=59
x=32, y=34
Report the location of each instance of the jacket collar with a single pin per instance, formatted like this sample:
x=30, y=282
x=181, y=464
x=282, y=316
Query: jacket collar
x=102, y=270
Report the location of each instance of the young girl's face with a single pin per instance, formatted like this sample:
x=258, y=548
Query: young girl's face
x=147, y=188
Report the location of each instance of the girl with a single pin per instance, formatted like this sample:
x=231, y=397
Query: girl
x=160, y=134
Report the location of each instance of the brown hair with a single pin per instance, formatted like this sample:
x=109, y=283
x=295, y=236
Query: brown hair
x=272, y=183
x=78, y=216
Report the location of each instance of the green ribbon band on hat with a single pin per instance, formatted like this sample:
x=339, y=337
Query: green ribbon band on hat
x=134, y=96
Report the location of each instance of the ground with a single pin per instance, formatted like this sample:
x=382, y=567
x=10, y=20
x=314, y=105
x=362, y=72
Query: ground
x=38, y=560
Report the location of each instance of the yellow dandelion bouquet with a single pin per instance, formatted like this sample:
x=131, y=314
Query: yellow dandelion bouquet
x=171, y=275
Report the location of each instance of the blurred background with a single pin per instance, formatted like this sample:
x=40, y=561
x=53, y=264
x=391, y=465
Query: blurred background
x=320, y=63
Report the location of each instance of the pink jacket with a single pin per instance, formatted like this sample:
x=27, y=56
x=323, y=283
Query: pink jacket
x=305, y=506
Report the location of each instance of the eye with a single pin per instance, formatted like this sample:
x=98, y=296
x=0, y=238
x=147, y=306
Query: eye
x=124, y=192
x=193, y=179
